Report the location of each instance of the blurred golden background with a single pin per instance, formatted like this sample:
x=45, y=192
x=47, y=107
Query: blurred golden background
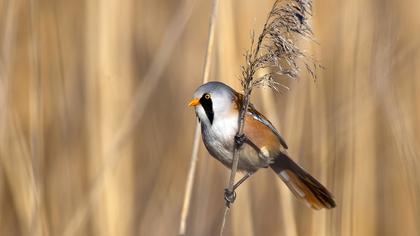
x=96, y=137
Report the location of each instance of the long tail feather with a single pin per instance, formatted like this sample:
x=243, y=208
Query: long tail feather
x=302, y=184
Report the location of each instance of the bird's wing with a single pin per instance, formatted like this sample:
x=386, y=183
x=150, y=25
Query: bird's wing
x=261, y=118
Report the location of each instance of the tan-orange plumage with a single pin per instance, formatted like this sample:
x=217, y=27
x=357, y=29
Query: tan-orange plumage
x=261, y=135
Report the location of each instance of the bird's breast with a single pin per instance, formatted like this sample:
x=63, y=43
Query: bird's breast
x=218, y=138
x=219, y=141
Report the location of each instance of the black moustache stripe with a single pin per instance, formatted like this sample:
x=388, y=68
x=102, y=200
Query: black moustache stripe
x=207, y=104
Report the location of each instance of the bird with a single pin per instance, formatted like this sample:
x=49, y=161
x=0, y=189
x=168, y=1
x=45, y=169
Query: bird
x=217, y=107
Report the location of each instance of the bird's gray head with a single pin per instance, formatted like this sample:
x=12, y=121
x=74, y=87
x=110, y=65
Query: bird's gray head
x=212, y=100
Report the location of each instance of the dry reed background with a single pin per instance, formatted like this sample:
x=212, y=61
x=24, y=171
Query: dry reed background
x=95, y=135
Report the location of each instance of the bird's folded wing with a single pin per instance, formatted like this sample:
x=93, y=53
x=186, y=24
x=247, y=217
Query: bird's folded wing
x=262, y=136
x=261, y=118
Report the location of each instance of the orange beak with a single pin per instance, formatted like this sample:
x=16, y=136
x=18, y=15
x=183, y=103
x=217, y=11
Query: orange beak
x=194, y=102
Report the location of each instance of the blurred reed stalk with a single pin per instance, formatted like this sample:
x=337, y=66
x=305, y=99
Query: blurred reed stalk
x=286, y=198
x=39, y=223
x=357, y=128
x=135, y=110
x=13, y=142
x=196, y=142
x=275, y=50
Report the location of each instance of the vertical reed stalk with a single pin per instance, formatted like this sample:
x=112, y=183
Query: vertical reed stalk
x=135, y=111
x=286, y=207
x=38, y=219
x=196, y=143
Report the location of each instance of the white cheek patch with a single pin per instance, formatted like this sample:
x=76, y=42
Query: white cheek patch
x=201, y=114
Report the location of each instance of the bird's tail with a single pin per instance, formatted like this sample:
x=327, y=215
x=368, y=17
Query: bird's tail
x=302, y=184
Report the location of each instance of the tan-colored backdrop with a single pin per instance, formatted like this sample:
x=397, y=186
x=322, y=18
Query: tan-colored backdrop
x=96, y=137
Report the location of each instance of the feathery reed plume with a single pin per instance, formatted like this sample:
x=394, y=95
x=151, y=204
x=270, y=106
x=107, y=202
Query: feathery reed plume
x=275, y=50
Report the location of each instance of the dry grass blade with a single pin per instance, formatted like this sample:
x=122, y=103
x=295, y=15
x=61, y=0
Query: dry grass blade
x=196, y=143
x=276, y=48
x=135, y=111
x=38, y=218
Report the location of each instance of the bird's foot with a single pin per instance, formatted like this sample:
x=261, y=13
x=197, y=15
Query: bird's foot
x=240, y=139
x=230, y=197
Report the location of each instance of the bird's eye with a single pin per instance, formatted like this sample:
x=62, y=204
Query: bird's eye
x=207, y=96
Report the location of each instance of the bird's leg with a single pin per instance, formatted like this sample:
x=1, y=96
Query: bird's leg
x=230, y=196
x=245, y=177
x=241, y=139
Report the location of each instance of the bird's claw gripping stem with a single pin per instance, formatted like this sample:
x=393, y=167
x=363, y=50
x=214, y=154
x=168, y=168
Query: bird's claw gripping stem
x=230, y=197
x=240, y=139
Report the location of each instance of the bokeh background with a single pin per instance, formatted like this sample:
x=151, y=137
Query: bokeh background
x=96, y=137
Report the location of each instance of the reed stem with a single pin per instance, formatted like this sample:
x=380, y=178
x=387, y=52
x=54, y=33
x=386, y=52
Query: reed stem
x=196, y=143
